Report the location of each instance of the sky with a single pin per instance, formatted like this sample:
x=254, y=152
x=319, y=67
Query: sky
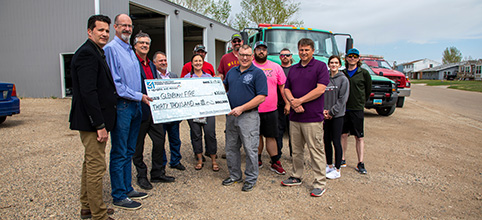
x=401, y=31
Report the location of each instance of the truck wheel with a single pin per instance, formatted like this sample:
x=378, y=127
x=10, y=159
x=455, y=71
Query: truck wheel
x=2, y=119
x=386, y=111
x=400, y=102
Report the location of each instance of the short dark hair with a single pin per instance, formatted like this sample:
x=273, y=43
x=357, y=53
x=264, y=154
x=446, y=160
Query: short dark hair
x=94, y=18
x=157, y=53
x=306, y=42
x=139, y=35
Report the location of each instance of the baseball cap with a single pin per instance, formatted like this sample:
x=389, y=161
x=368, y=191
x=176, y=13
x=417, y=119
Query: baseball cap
x=236, y=35
x=200, y=47
x=353, y=51
x=260, y=43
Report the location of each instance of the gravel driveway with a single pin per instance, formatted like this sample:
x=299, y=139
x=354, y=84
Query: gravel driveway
x=423, y=162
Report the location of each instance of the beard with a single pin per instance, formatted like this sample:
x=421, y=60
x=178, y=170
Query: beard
x=126, y=36
x=259, y=59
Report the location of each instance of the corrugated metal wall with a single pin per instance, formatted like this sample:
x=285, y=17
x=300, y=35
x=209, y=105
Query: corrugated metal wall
x=34, y=34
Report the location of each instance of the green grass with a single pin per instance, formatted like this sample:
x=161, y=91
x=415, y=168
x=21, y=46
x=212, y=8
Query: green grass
x=475, y=86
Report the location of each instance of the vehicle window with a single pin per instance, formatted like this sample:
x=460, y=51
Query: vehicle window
x=365, y=66
x=277, y=39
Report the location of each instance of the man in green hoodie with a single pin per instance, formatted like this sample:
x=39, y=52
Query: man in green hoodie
x=360, y=89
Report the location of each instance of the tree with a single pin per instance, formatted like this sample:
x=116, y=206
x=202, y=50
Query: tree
x=451, y=55
x=255, y=12
x=218, y=10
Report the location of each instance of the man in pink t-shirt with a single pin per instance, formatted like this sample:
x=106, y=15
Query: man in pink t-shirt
x=268, y=110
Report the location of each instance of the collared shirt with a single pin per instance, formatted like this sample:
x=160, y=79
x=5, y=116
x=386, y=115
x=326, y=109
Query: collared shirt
x=302, y=80
x=167, y=76
x=242, y=87
x=147, y=68
x=190, y=75
x=125, y=69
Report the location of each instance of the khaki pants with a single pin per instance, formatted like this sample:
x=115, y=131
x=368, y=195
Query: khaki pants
x=310, y=133
x=93, y=170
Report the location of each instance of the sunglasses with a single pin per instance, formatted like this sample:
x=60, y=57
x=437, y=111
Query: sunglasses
x=285, y=55
x=236, y=41
x=352, y=56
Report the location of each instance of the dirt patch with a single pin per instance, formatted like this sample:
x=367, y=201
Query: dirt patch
x=421, y=164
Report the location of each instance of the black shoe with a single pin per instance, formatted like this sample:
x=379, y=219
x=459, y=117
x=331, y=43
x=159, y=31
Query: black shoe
x=343, y=163
x=144, y=183
x=179, y=166
x=228, y=181
x=163, y=179
x=247, y=187
x=128, y=204
x=137, y=195
x=361, y=168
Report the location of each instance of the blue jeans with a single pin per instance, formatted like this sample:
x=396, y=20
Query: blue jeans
x=172, y=130
x=124, y=138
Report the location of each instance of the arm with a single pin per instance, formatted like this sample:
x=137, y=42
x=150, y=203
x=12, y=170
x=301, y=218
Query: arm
x=312, y=95
x=253, y=103
x=287, y=103
x=185, y=69
x=122, y=89
x=342, y=97
x=368, y=85
x=297, y=109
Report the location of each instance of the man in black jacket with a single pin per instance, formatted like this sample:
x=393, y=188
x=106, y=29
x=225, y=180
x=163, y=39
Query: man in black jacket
x=93, y=113
x=156, y=132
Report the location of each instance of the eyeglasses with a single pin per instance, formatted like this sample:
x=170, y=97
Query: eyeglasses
x=261, y=49
x=245, y=55
x=285, y=55
x=143, y=42
x=126, y=25
x=236, y=41
x=352, y=56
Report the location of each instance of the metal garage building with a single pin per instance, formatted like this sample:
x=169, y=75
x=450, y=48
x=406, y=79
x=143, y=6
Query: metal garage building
x=38, y=38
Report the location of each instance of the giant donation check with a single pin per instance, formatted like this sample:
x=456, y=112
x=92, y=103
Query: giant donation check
x=179, y=99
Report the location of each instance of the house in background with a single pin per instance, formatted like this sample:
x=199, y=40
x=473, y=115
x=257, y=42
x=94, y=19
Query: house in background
x=441, y=72
x=470, y=70
x=412, y=69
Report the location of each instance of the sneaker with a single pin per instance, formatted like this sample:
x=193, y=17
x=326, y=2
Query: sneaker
x=137, y=195
x=260, y=164
x=277, y=168
x=317, y=192
x=292, y=181
x=333, y=174
x=228, y=181
x=247, y=187
x=328, y=169
x=128, y=204
x=343, y=163
x=179, y=166
x=361, y=168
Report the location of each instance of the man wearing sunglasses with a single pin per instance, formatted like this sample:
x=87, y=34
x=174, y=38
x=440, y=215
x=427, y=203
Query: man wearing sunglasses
x=360, y=89
x=230, y=60
x=285, y=56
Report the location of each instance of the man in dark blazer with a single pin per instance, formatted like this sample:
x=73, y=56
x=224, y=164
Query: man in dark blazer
x=156, y=132
x=93, y=113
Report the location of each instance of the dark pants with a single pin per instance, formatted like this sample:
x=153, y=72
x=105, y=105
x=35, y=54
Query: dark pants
x=209, y=136
x=172, y=129
x=283, y=125
x=157, y=134
x=333, y=128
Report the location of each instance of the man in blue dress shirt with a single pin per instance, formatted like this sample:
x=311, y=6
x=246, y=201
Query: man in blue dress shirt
x=125, y=70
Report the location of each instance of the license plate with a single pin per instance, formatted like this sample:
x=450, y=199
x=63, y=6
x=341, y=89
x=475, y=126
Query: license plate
x=377, y=101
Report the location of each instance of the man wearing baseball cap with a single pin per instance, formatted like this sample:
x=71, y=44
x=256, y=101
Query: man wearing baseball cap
x=360, y=89
x=268, y=110
x=207, y=67
x=230, y=60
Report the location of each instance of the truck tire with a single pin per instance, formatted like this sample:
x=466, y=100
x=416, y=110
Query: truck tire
x=2, y=119
x=386, y=111
x=400, y=102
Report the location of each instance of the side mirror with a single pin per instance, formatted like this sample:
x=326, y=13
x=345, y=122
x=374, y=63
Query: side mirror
x=380, y=74
x=349, y=44
x=244, y=35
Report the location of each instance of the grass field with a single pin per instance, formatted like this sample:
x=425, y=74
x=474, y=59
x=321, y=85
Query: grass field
x=475, y=86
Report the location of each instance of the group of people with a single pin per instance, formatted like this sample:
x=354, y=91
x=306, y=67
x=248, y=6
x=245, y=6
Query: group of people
x=266, y=100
